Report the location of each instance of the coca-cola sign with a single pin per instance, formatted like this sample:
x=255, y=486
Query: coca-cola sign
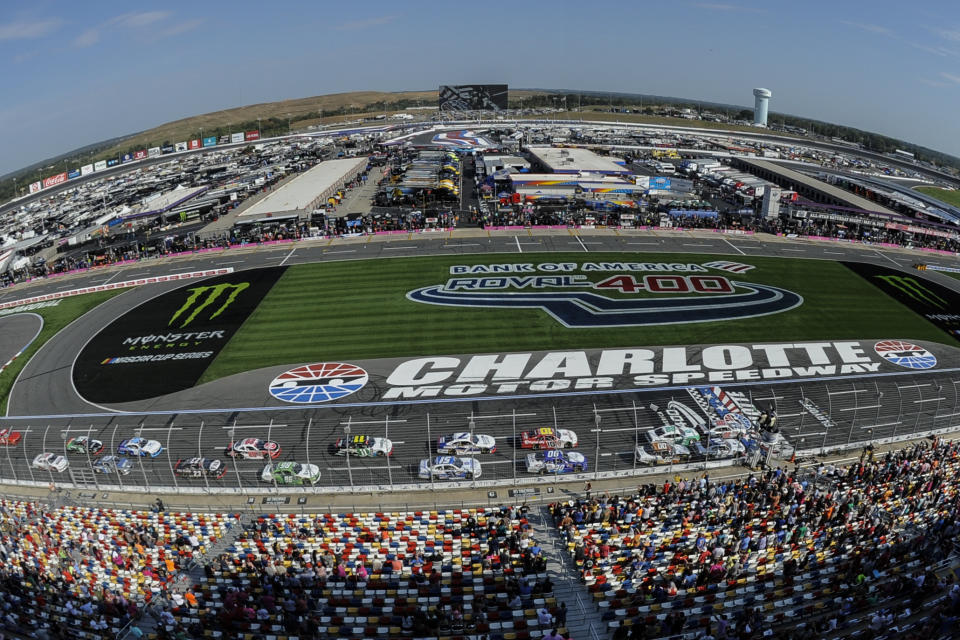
x=54, y=180
x=140, y=155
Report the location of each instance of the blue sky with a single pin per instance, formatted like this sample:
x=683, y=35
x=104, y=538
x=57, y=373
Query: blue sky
x=79, y=72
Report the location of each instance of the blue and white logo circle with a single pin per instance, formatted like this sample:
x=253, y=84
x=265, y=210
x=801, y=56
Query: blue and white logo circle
x=321, y=382
x=905, y=354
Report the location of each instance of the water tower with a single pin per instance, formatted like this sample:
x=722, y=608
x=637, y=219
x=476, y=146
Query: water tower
x=761, y=100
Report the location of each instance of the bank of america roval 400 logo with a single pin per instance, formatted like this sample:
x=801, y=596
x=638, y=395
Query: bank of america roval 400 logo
x=321, y=382
x=905, y=354
x=575, y=301
x=202, y=298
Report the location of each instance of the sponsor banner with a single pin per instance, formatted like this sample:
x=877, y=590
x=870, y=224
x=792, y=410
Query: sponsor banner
x=251, y=135
x=36, y=186
x=224, y=139
x=53, y=181
x=168, y=342
x=86, y=169
x=194, y=144
x=125, y=158
x=112, y=162
x=153, y=152
x=210, y=141
x=140, y=155
x=99, y=165
x=167, y=149
x=181, y=146
x=591, y=294
x=75, y=173
x=932, y=300
x=236, y=137
x=115, y=285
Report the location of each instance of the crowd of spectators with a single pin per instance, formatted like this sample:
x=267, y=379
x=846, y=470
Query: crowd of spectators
x=866, y=534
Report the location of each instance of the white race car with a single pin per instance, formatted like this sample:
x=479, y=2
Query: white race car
x=464, y=443
x=449, y=468
x=660, y=452
x=50, y=462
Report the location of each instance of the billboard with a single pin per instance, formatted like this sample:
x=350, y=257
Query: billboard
x=99, y=165
x=473, y=97
x=210, y=141
x=251, y=135
x=140, y=155
x=194, y=144
x=75, y=173
x=225, y=139
x=153, y=152
x=236, y=137
x=125, y=158
x=181, y=146
x=36, y=186
x=167, y=148
x=112, y=162
x=86, y=169
x=659, y=182
x=54, y=180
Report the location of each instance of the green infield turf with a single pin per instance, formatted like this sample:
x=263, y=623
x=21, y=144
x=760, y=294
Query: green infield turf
x=54, y=319
x=356, y=310
x=950, y=196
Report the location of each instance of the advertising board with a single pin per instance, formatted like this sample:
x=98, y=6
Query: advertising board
x=167, y=149
x=659, y=182
x=473, y=97
x=194, y=144
x=210, y=141
x=236, y=137
x=153, y=152
x=99, y=165
x=125, y=158
x=86, y=169
x=36, y=186
x=181, y=146
x=112, y=162
x=140, y=155
x=74, y=173
x=251, y=135
x=224, y=139
x=53, y=181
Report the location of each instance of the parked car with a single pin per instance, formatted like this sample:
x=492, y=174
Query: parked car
x=556, y=461
x=293, y=473
x=253, y=449
x=465, y=443
x=84, y=444
x=449, y=468
x=660, y=452
x=548, y=438
x=112, y=464
x=362, y=446
x=9, y=437
x=50, y=462
x=139, y=447
x=200, y=467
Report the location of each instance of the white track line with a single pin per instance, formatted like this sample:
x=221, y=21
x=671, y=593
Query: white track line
x=581, y=244
x=519, y=248
x=289, y=255
x=734, y=247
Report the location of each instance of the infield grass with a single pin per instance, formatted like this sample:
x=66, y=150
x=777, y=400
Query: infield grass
x=54, y=319
x=950, y=196
x=354, y=310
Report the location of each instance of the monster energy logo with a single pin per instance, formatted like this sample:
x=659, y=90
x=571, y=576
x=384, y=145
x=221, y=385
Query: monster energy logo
x=916, y=291
x=213, y=293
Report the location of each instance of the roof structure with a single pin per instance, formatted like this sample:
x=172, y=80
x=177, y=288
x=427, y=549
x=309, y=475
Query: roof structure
x=574, y=160
x=305, y=192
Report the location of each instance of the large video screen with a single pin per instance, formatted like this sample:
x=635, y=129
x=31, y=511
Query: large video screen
x=473, y=97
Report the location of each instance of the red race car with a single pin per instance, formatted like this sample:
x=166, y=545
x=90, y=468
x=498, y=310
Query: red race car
x=9, y=437
x=253, y=449
x=548, y=438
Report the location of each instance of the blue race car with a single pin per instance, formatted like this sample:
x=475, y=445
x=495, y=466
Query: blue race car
x=139, y=447
x=556, y=461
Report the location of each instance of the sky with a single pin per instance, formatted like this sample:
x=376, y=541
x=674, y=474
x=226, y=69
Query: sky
x=75, y=73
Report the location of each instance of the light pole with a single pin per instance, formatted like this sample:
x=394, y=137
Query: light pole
x=258, y=129
x=346, y=435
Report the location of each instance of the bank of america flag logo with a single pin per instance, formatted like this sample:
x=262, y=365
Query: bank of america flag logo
x=731, y=267
x=905, y=354
x=321, y=382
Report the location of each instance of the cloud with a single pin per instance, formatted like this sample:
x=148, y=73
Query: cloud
x=933, y=83
x=947, y=34
x=937, y=50
x=88, y=38
x=868, y=26
x=135, y=20
x=28, y=30
x=183, y=27
x=356, y=25
x=719, y=6
x=950, y=76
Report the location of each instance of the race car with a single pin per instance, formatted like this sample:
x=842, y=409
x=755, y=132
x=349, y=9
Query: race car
x=9, y=437
x=449, y=468
x=362, y=446
x=113, y=464
x=200, y=467
x=660, y=452
x=555, y=461
x=721, y=448
x=50, y=462
x=291, y=473
x=674, y=434
x=139, y=447
x=462, y=443
x=548, y=438
x=253, y=449
x=83, y=444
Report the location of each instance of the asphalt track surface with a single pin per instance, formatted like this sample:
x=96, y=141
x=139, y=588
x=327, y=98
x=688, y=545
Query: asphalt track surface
x=18, y=332
x=859, y=410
